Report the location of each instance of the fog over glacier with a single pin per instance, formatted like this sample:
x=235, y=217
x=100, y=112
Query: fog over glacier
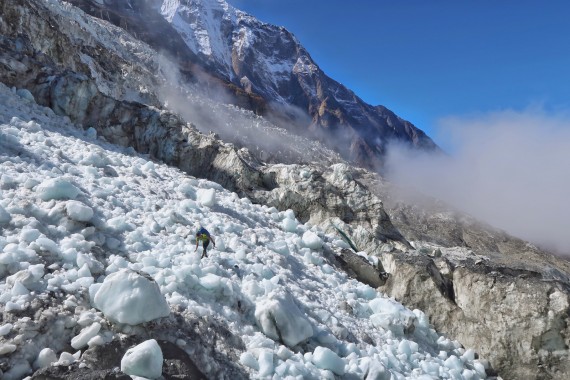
x=508, y=168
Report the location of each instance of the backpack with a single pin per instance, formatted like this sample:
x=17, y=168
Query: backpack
x=203, y=231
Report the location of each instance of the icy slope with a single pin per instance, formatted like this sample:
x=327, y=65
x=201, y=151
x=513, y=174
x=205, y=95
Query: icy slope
x=85, y=224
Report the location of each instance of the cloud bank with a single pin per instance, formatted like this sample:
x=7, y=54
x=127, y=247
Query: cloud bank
x=510, y=169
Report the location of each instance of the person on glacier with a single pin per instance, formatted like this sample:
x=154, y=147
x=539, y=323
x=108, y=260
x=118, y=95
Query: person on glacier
x=202, y=235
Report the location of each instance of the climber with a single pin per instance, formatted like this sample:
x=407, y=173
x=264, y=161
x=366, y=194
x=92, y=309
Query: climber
x=203, y=235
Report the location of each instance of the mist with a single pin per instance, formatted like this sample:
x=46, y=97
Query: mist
x=208, y=106
x=509, y=169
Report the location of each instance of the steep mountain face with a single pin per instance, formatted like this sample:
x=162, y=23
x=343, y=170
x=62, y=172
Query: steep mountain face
x=496, y=293
x=268, y=69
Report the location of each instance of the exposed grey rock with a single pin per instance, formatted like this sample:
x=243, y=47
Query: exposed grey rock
x=359, y=268
x=177, y=364
x=323, y=197
x=46, y=317
x=142, y=20
x=50, y=38
x=73, y=372
x=422, y=218
x=503, y=313
x=208, y=338
x=492, y=294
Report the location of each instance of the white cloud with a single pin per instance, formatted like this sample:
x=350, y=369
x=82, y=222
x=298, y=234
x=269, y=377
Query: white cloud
x=509, y=168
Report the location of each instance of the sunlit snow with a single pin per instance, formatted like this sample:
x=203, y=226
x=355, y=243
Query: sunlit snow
x=110, y=233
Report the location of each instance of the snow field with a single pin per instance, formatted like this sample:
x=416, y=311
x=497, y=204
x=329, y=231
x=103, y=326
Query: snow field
x=98, y=241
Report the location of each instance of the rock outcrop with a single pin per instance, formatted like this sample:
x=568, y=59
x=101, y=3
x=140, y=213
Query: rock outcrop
x=48, y=38
x=425, y=219
x=505, y=313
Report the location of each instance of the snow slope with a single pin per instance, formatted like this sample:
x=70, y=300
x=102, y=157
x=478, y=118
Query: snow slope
x=229, y=39
x=97, y=242
x=198, y=22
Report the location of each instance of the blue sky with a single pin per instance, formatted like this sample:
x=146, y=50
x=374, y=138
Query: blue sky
x=428, y=60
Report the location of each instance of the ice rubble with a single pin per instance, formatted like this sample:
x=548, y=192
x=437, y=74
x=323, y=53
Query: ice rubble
x=117, y=248
x=144, y=360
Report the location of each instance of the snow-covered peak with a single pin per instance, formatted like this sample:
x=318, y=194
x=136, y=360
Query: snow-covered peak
x=270, y=62
x=170, y=8
x=227, y=39
x=205, y=25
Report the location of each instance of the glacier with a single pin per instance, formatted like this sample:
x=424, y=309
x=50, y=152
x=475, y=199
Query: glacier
x=141, y=224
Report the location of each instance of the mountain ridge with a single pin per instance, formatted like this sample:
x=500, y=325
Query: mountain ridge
x=267, y=67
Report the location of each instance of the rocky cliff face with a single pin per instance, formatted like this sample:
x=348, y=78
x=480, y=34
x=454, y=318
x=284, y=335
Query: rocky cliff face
x=267, y=69
x=505, y=313
x=491, y=291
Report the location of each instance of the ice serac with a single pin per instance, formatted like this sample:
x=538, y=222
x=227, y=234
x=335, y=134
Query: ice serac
x=281, y=319
x=131, y=298
x=143, y=360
